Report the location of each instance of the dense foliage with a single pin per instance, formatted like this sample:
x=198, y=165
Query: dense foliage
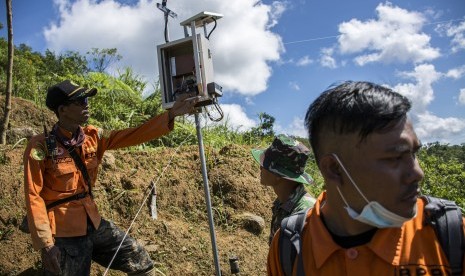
x=121, y=103
x=444, y=168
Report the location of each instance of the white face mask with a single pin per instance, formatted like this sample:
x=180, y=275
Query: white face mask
x=373, y=213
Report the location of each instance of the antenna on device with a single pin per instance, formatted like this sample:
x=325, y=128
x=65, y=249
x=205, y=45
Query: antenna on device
x=167, y=13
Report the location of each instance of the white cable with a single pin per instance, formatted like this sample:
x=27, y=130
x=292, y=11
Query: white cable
x=336, y=36
x=143, y=203
x=311, y=39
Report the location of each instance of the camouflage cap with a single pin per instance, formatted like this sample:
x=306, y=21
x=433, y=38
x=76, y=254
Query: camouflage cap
x=286, y=157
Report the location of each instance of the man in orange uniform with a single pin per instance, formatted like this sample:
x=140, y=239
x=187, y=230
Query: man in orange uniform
x=369, y=221
x=72, y=233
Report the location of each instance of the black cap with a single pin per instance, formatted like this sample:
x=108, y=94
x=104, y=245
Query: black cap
x=66, y=91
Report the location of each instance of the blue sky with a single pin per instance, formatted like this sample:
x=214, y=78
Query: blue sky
x=278, y=56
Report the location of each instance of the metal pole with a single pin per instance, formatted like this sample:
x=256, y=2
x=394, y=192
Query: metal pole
x=196, y=50
x=207, y=194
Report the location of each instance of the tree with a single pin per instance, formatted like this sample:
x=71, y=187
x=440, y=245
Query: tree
x=68, y=63
x=446, y=151
x=9, y=74
x=26, y=73
x=101, y=59
x=263, y=132
x=135, y=81
x=117, y=106
x=265, y=127
x=444, y=177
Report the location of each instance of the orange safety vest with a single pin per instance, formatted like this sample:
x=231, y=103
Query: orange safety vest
x=46, y=181
x=411, y=250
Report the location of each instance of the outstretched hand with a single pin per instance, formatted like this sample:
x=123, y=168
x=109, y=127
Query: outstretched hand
x=183, y=105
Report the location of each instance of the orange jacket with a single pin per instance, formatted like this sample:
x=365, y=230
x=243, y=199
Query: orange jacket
x=410, y=250
x=45, y=182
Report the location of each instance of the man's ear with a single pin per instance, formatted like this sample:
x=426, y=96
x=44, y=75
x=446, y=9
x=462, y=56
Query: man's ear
x=60, y=109
x=330, y=168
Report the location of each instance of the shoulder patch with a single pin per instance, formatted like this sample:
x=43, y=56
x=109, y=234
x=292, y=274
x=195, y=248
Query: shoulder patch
x=38, y=154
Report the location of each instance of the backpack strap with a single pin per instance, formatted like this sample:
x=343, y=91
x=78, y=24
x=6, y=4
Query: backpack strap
x=51, y=143
x=51, y=139
x=446, y=219
x=290, y=242
x=81, y=166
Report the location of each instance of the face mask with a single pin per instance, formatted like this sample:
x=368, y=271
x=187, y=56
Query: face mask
x=373, y=213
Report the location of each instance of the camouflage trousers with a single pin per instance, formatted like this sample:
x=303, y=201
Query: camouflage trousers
x=100, y=246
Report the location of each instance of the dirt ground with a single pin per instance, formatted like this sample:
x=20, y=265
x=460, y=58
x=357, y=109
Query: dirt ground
x=179, y=240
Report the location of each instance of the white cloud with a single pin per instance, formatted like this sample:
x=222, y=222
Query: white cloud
x=428, y=126
x=326, y=58
x=306, y=60
x=431, y=128
x=294, y=85
x=462, y=96
x=277, y=9
x=434, y=13
x=236, y=118
x=395, y=36
x=85, y=24
x=249, y=101
x=296, y=128
x=456, y=73
x=456, y=32
x=421, y=91
x=242, y=48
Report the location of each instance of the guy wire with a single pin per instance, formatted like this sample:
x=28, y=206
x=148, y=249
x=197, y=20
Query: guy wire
x=143, y=203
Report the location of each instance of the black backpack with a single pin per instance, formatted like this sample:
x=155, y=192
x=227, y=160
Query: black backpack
x=443, y=215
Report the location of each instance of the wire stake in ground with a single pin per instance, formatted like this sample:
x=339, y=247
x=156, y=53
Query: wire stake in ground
x=153, y=202
x=149, y=193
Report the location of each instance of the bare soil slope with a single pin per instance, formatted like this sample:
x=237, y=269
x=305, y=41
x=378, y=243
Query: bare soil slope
x=179, y=240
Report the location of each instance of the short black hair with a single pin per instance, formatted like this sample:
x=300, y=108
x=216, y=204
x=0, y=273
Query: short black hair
x=354, y=106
